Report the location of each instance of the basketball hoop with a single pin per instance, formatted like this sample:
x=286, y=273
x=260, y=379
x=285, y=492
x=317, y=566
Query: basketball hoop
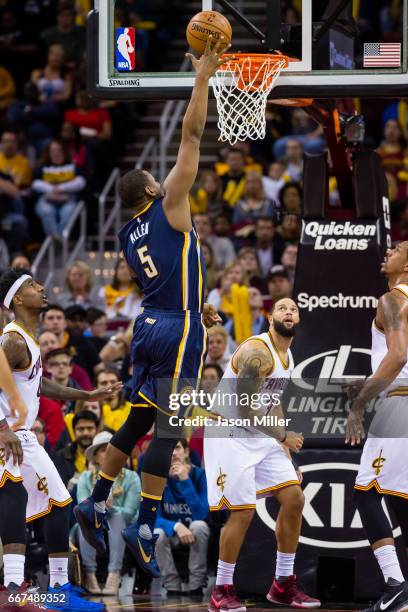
x=241, y=88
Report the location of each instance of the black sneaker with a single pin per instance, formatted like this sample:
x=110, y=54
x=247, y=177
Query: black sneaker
x=394, y=598
x=196, y=594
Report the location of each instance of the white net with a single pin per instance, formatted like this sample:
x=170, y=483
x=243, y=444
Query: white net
x=241, y=89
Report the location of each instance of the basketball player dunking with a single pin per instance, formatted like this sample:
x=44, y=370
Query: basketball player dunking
x=31, y=487
x=163, y=251
x=383, y=466
x=248, y=464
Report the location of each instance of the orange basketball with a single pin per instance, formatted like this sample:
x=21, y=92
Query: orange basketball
x=205, y=23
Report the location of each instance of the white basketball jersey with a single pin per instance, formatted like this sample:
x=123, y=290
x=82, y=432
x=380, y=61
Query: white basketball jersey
x=379, y=349
x=273, y=385
x=28, y=380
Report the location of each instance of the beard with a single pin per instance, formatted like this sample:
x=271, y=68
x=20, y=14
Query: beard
x=282, y=330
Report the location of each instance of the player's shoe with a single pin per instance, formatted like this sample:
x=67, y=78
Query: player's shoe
x=394, y=598
x=142, y=549
x=8, y=601
x=224, y=597
x=74, y=600
x=93, y=524
x=287, y=593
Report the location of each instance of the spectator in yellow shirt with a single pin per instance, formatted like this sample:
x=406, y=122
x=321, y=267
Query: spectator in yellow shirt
x=115, y=410
x=12, y=162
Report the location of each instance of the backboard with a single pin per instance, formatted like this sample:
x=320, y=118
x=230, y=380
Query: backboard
x=341, y=48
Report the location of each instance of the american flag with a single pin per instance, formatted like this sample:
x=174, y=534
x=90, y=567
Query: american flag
x=382, y=54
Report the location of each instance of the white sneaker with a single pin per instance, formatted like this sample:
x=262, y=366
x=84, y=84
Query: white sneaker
x=112, y=584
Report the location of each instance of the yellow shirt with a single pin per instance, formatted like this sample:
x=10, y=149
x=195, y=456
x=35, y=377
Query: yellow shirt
x=80, y=462
x=18, y=167
x=114, y=419
x=111, y=295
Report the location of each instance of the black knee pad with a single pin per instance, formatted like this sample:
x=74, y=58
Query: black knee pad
x=138, y=423
x=375, y=521
x=399, y=505
x=13, y=504
x=158, y=456
x=56, y=530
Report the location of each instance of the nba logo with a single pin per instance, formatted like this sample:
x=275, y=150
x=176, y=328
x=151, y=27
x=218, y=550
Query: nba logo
x=125, y=49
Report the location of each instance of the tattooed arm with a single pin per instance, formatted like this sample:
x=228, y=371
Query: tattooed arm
x=254, y=362
x=392, y=313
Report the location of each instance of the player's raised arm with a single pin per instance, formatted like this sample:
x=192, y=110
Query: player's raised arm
x=393, y=312
x=181, y=178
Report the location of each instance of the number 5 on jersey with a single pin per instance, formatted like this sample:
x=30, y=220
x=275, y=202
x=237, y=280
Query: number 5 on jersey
x=149, y=268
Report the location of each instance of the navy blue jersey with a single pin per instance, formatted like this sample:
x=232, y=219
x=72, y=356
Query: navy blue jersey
x=169, y=264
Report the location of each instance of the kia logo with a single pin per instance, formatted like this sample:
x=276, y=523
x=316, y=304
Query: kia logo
x=332, y=372
x=334, y=510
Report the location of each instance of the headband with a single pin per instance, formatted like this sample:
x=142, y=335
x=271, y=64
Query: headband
x=14, y=288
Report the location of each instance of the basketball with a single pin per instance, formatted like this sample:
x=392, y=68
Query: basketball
x=203, y=25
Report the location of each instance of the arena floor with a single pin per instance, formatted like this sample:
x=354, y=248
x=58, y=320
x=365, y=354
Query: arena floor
x=152, y=605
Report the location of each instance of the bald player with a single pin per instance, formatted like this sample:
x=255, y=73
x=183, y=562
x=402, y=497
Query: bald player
x=254, y=462
x=383, y=466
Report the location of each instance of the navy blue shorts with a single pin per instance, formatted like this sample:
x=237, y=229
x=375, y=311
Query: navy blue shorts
x=167, y=351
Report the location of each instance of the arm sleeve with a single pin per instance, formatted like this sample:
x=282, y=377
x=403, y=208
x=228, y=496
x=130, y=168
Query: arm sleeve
x=130, y=505
x=195, y=495
x=42, y=186
x=77, y=184
x=165, y=524
x=83, y=488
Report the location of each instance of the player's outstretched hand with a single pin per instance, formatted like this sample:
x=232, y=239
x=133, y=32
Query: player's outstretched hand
x=18, y=410
x=294, y=441
x=212, y=58
x=210, y=315
x=11, y=444
x=99, y=395
x=355, y=426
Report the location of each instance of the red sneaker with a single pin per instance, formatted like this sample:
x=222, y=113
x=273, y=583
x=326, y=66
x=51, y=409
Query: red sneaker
x=225, y=598
x=286, y=593
x=8, y=605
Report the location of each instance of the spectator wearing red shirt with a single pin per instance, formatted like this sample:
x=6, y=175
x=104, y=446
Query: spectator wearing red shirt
x=95, y=129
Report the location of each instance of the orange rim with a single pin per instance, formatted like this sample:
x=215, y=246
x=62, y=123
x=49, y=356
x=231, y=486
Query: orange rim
x=294, y=102
x=251, y=68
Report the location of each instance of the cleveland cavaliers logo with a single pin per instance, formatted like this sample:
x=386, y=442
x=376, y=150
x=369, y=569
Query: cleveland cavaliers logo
x=2, y=457
x=377, y=464
x=221, y=480
x=42, y=485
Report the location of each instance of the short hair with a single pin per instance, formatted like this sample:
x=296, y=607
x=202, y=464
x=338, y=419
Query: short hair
x=109, y=368
x=233, y=150
x=56, y=352
x=93, y=314
x=214, y=366
x=85, y=415
x=218, y=329
x=268, y=219
x=7, y=280
x=132, y=188
x=53, y=307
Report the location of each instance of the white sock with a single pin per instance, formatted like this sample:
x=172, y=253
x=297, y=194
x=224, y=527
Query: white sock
x=225, y=573
x=100, y=506
x=284, y=564
x=58, y=570
x=13, y=569
x=388, y=562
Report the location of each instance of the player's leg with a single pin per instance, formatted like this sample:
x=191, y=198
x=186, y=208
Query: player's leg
x=400, y=507
x=13, y=533
x=177, y=347
x=91, y=512
x=379, y=534
x=230, y=471
x=49, y=500
x=380, y=467
x=276, y=475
